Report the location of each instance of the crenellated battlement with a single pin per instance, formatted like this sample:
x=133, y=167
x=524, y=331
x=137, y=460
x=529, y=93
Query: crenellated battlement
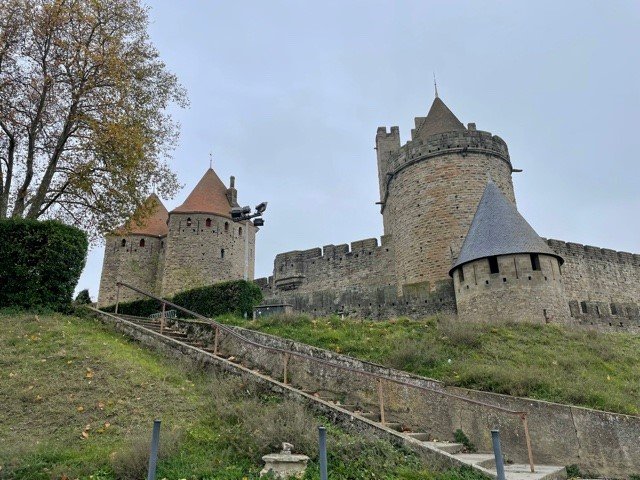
x=594, y=253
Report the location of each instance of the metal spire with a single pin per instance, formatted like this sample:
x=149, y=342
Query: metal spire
x=435, y=85
x=210, y=160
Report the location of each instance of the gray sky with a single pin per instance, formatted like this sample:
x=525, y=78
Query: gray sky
x=288, y=96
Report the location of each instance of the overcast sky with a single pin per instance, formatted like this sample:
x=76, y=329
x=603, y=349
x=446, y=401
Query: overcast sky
x=288, y=96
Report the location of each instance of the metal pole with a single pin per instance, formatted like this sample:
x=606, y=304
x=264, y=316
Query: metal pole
x=497, y=452
x=117, y=297
x=153, y=458
x=164, y=306
x=528, y=438
x=286, y=365
x=323, y=452
x=381, y=401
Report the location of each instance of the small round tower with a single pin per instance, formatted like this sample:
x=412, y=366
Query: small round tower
x=505, y=272
x=204, y=246
x=134, y=254
x=430, y=188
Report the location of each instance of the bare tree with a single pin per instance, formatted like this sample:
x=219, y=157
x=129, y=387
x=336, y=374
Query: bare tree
x=84, y=128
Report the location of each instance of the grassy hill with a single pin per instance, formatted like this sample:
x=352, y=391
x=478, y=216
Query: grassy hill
x=547, y=362
x=78, y=401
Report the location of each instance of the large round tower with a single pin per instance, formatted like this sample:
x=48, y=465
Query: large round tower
x=134, y=254
x=430, y=188
x=505, y=271
x=203, y=245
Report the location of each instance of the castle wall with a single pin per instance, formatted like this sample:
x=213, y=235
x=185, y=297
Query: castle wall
x=517, y=293
x=602, y=286
x=359, y=281
x=197, y=255
x=433, y=189
x=139, y=266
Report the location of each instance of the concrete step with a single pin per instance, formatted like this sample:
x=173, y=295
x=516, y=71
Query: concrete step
x=393, y=426
x=480, y=459
x=448, y=447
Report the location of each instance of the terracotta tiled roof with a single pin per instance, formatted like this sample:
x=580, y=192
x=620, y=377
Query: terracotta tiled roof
x=154, y=225
x=209, y=196
x=439, y=120
x=499, y=229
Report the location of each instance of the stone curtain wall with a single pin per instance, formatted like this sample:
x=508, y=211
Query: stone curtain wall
x=517, y=293
x=194, y=256
x=432, y=192
x=602, y=286
x=140, y=266
x=359, y=281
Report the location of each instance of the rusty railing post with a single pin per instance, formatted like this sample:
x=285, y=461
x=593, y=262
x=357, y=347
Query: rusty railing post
x=528, y=438
x=215, y=340
x=381, y=401
x=117, y=297
x=286, y=366
x=164, y=307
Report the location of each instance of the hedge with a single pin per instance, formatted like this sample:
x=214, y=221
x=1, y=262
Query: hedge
x=236, y=297
x=40, y=263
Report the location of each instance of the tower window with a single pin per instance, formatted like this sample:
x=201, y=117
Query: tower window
x=222, y=253
x=208, y=222
x=460, y=275
x=162, y=244
x=583, y=307
x=142, y=242
x=123, y=243
x=189, y=222
x=493, y=265
x=240, y=231
x=614, y=310
x=226, y=226
x=535, y=261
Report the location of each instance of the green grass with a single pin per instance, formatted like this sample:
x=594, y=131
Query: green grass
x=78, y=401
x=547, y=362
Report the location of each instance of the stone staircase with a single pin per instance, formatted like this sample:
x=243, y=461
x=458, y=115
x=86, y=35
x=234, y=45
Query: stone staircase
x=452, y=453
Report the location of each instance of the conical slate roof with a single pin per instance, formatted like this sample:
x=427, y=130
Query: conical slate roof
x=439, y=120
x=154, y=225
x=209, y=196
x=499, y=229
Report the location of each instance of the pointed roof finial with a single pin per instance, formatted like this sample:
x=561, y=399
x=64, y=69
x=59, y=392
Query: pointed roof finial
x=210, y=160
x=435, y=85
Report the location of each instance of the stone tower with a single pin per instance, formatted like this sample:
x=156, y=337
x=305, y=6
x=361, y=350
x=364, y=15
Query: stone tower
x=505, y=271
x=134, y=254
x=203, y=245
x=429, y=191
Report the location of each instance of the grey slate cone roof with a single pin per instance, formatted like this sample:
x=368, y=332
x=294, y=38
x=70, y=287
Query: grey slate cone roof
x=499, y=229
x=439, y=120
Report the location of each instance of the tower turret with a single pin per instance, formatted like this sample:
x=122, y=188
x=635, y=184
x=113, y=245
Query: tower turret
x=431, y=188
x=203, y=245
x=505, y=271
x=134, y=254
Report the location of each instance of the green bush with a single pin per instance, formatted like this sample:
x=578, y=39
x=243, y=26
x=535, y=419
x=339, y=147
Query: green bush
x=236, y=297
x=83, y=298
x=40, y=263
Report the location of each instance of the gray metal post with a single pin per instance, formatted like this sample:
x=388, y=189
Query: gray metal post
x=323, y=452
x=497, y=452
x=153, y=458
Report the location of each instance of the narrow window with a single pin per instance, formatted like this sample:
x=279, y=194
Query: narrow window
x=240, y=231
x=493, y=265
x=142, y=242
x=162, y=244
x=222, y=253
x=535, y=261
x=226, y=226
x=207, y=222
x=460, y=275
x=189, y=222
x=583, y=307
x=614, y=310
x=123, y=243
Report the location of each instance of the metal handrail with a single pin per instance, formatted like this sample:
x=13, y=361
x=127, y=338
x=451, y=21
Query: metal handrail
x=290, y=353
